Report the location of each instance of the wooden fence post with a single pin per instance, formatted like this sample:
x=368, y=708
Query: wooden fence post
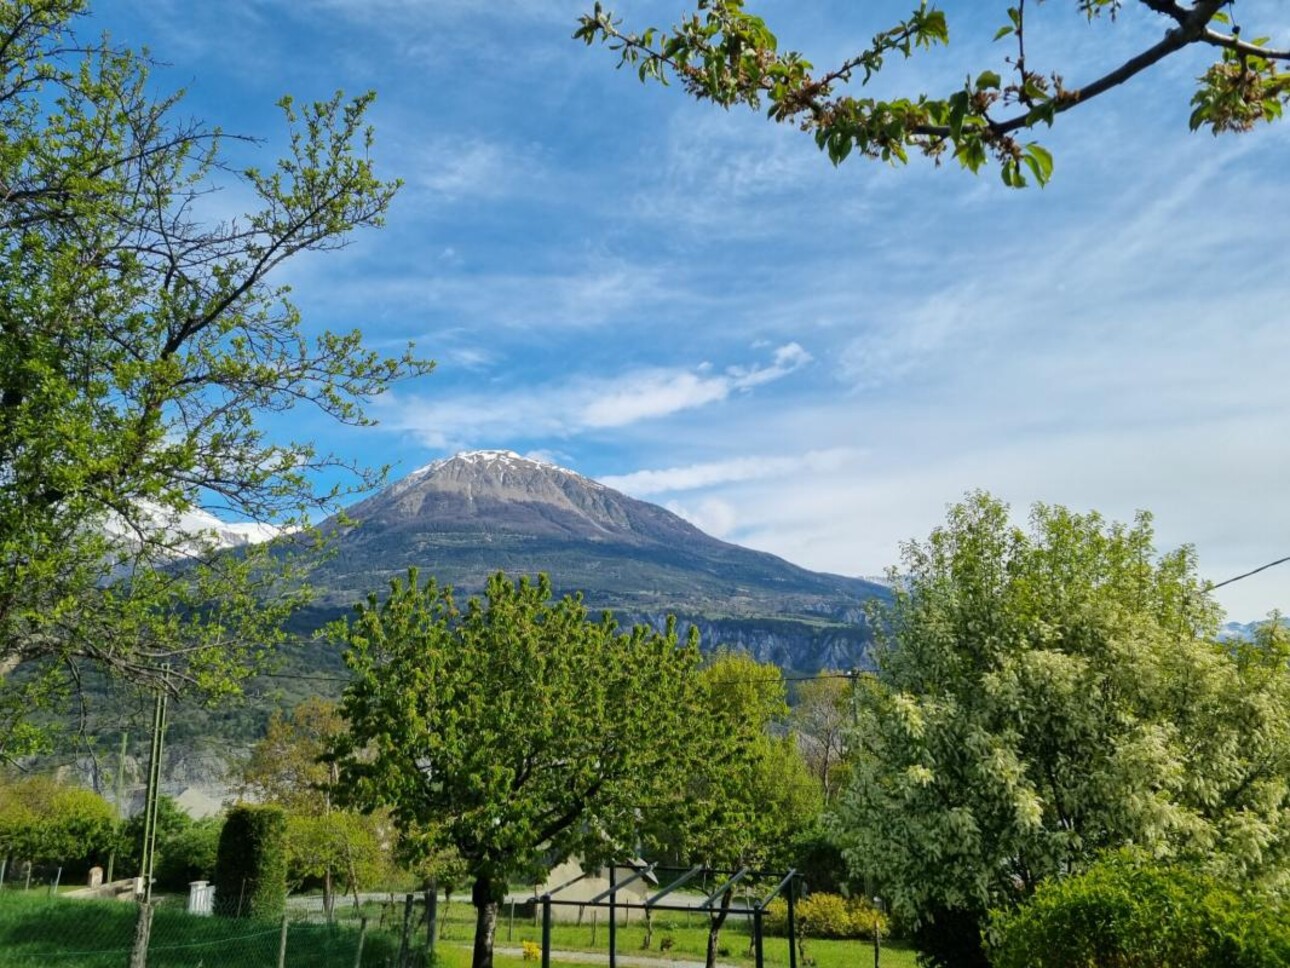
x=142, y=932
x=362, y=933
x=282, y=944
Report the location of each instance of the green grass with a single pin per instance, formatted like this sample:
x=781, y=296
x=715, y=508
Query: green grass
x=689, y=936
x=36, y=930
x=41, y=931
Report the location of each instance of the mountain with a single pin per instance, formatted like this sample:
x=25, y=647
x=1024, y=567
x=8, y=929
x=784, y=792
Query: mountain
x=466, y=517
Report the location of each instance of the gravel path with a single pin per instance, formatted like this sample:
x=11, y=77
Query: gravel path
x=599, y=958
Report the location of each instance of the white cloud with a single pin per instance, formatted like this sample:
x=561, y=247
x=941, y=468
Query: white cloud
x=660, y=392
x=695, y=476
x=579, y=405
x=712, y=515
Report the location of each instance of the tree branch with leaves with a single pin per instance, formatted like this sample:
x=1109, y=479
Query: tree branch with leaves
x=141, y=347
x=726, y=55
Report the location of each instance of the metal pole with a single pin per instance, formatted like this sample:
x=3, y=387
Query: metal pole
x=149, y=794
x=120, y=795
x=546, y=931
x=792, y=924
x=154, y=778
x=877, y=931
x=760, y=955
x=613, y=919
x=432, y=918
x=407, y=931
x=510, y=925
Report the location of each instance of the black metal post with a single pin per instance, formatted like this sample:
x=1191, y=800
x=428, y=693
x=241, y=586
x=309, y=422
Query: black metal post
x=432, y=918
x=877, y=931
x=760, y=955
x=613, y=919
x=792, y=924
x=546, y=931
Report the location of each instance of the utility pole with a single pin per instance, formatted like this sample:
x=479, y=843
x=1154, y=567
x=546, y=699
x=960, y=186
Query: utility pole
x=154, y=789
x=119, y=796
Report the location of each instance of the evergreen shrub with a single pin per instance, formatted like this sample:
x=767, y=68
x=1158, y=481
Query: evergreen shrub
x=251, y=863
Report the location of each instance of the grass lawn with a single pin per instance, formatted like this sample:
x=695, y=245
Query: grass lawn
x=689, y=936
x=36, y=930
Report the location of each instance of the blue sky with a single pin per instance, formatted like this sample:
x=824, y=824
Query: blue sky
x=695, y=307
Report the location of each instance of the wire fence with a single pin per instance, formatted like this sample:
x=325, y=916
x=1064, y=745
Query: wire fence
x=37, y=929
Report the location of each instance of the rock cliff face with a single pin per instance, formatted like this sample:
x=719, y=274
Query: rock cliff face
x=466, y=517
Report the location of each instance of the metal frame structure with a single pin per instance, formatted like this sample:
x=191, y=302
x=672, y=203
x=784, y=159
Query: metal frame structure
x=786, y=884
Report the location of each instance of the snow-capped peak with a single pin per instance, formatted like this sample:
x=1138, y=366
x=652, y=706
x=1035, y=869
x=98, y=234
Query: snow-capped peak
x=500, y=459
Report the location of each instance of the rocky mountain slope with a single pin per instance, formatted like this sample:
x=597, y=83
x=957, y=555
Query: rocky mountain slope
x=466, y=517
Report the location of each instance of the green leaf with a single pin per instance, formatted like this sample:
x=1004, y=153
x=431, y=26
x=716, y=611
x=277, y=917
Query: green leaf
x=958, y=111
x=1040, y=161
x=988, y=80
x=1003, y=32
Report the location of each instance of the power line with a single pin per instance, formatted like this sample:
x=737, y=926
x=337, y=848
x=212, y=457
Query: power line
x=1270, y=564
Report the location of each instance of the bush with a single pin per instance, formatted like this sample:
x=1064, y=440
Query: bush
x=1130, y=912
x=189, y=855
x=44, y=820
x=251, y=863
x=823, y=915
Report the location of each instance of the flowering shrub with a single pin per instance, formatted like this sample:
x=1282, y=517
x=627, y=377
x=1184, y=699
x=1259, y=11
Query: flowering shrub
x=823, y=915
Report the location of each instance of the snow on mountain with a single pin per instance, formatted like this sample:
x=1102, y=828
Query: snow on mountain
x=197, y=530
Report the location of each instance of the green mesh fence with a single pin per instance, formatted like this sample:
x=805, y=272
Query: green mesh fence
x=36, y=929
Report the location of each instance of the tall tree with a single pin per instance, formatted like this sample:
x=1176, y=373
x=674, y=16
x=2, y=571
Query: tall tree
x=514, y=730
x=821, y=718
x=748, y=791
x=288, y=767
x=139, y=348
x=1048, y=693
x=726, y=55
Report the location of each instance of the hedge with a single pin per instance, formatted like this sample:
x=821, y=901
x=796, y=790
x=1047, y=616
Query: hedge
x=251, y=863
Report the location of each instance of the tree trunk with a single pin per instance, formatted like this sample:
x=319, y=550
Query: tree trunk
x=718, y=918
x=329, y=897
x=485, y=896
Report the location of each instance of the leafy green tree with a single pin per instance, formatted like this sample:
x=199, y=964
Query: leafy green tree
x=44, y=820
x=726, y=55
x=189, y=855
x=172, y=823
x=1048, y=693
x=139, y=348
x=353, y=844
x=748, y=791
x=514, y=730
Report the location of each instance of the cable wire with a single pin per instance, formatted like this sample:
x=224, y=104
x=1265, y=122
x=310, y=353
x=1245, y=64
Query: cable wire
x=1270, y=564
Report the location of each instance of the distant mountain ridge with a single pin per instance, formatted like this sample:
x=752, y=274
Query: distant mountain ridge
x=465, y=517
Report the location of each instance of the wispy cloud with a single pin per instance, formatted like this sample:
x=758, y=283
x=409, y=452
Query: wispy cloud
x=581, y=404
x=691, y=477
